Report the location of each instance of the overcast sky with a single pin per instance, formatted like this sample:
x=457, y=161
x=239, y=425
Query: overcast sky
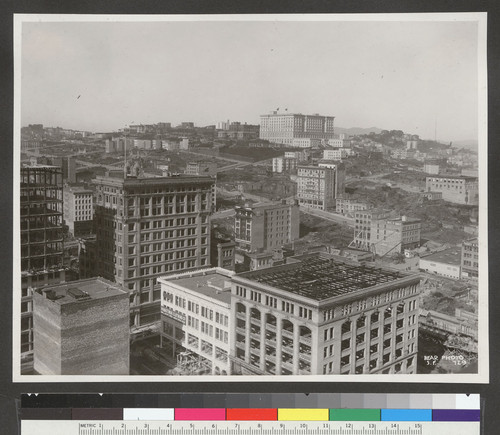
x=102, y=76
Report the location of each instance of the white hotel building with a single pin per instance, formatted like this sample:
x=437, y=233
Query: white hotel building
x=195, y=317
x=295, y=129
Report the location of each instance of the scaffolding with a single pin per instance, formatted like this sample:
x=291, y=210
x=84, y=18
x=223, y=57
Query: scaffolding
x=319, y=279
x=189, y=363
x=41, y=204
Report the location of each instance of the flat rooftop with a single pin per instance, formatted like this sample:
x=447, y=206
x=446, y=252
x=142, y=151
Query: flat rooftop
x=322, y=278
x=210, y=283
x=448, y=256
x=454, y=177
x=152, y=181
x=263, y=206
x=82, y=290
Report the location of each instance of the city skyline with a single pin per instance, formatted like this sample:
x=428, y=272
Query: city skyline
x=101, y=76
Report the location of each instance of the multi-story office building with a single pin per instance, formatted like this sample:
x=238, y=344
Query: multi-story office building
x=148, y=227
x=324, y=316
x=81, y=328
x=195, y=313
x=455, y=189
x=380, y=232
x=283, y=128
x=284, y=164
x=349, y=205
x=470, y=259
x=78, y=210
x=265, y=227
x=206, y=169
x=319, y=186
x=41, y=238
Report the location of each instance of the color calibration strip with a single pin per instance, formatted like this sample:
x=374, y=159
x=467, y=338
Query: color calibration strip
x=262, y=414
x=252, y=400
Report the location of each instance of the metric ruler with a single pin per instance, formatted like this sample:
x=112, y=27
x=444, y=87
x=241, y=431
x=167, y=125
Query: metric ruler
x=110, y=427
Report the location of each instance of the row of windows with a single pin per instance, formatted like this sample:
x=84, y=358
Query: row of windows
x=272, y=302
x=168, y=267
x=221, y=335
x=328, y=368
x=375, y=317
x=162, y=246
x=373, y=301
x=158, y=235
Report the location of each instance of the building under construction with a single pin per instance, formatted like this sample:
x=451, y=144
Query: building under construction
x=319, y=315
x=41, y=204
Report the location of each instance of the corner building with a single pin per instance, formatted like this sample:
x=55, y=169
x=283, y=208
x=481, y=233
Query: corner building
x=195, y=311
x=149, y=227
x=323, y=316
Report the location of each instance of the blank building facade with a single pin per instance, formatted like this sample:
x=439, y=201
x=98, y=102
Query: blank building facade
x=324, y=316
x=81, y=328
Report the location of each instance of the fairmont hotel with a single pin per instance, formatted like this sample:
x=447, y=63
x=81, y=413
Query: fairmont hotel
x=295, y=129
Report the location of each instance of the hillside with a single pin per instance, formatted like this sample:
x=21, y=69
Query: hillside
x=357, y=131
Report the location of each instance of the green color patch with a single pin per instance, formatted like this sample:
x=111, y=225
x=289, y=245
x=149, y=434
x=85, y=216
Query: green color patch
x=354, y=414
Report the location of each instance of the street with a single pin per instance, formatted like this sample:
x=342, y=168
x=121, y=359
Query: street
x=329, y=216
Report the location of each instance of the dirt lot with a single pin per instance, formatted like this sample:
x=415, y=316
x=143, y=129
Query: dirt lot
x=319, y=231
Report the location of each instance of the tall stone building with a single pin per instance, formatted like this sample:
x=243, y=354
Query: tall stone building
x=149, y=227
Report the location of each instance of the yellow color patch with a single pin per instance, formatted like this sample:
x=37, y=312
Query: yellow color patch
x=303, y=414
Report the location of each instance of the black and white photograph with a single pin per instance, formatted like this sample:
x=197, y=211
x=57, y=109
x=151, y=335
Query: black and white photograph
x=244, y=197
